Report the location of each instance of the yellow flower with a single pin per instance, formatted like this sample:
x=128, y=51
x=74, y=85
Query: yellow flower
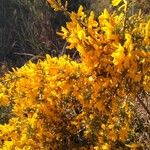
x=23, y=138
x=8, y=145
x=108, y=29
x=128, y=43
x=55, y=4
x=80, y=32
x=104, y=15
x=118, y=55
x=81, y=13
x=119, y=18
x=33, y=120
x=4, y=99
x=116, y=2
x=96, y=148
x=103, y=126
x=147, y=33
x=64, y=33
x=91, y=21
x=106, y=147
x=146, y=83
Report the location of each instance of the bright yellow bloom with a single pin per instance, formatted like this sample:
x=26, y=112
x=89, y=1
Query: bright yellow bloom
x=8, y=145
x=128, y=43
x=81, y=13
x=106, y=147
x=118, y=55
x=116, y=2
x=103, y=16
x=80, y=32
x=64, y=34
x=147, y=33
x=4, y=99
x=55, y=4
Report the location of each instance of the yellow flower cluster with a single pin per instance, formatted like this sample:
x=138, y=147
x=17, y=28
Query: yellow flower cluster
x=61, y=104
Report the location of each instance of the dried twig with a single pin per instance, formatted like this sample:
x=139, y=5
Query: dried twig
x=25, y=54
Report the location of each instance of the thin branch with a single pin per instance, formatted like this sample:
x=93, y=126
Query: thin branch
x=24, y=54
x=33, y=57
x=63, y=49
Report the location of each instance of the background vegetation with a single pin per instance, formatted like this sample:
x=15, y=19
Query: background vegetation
x=28, y=28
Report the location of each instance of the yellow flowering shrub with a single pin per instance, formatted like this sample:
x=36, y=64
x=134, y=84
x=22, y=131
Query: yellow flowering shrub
x=61, y=104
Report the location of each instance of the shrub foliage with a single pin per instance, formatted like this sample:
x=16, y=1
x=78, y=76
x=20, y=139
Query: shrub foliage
x=59, y=103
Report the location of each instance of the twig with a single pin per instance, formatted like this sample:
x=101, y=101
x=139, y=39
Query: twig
x=63, y=49
x=33, y=56
x=24, y=54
